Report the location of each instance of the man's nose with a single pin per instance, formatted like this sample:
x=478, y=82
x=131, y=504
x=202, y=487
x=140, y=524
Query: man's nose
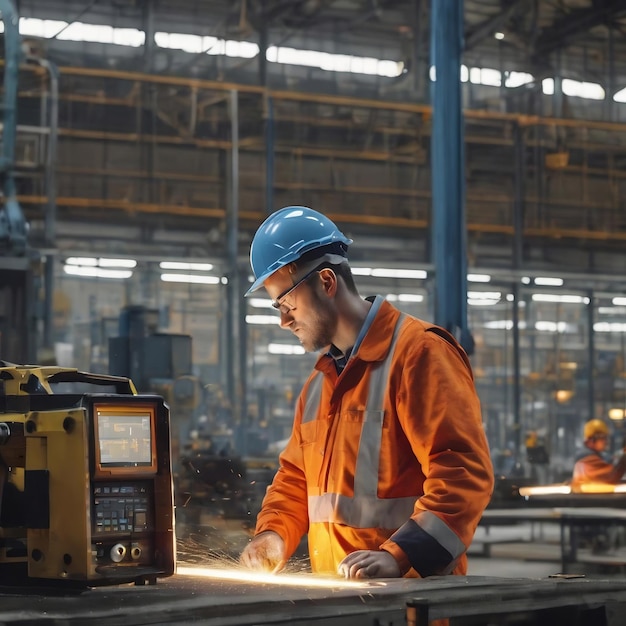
x=286, y=319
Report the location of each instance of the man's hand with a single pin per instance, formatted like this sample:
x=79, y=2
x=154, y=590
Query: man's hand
x=266, y=552
x=369, y=564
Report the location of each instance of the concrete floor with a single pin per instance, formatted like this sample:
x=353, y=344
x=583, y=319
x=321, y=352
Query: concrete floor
x=506, y=564
x=533, y=551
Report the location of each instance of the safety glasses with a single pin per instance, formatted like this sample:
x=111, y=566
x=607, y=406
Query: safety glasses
x=281, y=303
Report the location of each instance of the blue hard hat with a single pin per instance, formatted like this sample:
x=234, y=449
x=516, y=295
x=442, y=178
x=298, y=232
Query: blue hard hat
x=285, y=236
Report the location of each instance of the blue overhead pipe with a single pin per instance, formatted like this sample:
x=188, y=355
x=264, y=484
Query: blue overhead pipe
x=448, y=177
x=12, y=222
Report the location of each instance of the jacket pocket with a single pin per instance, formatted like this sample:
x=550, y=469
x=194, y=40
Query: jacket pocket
x=312, y=436
x=357, y=442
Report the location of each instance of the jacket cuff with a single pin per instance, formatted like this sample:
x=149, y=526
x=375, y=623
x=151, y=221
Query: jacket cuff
x=399, y=555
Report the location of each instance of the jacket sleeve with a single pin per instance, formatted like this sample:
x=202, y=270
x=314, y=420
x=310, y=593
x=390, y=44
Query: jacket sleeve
x=284, y=509
x=593, y=468
x=439, y=411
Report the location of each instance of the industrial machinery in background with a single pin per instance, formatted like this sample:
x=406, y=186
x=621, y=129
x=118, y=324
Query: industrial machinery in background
x=211, y=480
x=20, y=268
x=86, y=491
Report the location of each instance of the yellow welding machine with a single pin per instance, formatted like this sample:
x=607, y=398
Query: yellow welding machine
x=86, y=492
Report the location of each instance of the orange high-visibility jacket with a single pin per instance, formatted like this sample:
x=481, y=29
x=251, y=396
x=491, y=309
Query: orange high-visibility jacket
x=389, y=455
x=591, y=467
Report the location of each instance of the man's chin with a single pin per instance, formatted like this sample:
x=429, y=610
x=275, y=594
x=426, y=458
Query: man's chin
x=316, y=348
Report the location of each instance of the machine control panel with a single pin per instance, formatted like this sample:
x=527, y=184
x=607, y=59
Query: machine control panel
x=124, y=507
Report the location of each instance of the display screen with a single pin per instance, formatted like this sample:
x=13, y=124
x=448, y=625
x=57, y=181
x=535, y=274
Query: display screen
x=124, y=437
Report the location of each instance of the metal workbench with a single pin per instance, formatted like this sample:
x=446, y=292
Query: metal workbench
x=569, y=519
x=184, y=599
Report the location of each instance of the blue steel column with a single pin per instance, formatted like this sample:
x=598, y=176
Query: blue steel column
x=269, y=154
x=235, y=313
x=51, y=204
x=447, y=163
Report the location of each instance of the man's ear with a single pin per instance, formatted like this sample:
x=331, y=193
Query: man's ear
x=329, y=281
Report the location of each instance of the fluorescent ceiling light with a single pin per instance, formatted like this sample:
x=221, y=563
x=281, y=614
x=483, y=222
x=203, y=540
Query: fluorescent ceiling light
x=95, y=272
x=389, y=272
x=410, y=297
x=190, y=278
x=499, y=325
x=260, y=303
x=548, y=281
x=551, y=327
x=619, y=301
x=484, y=295
x=582, y=89
x=273, y=320
x=102, y=262
x=612, y=310
x=382, y=272
x=481, y=302
x=483, y=298
x=189, y=267
x=82, y=260
x=485, y=76
x=547, y=85
x=285, y=348
x=478, y=278
x=504, y=325
x=404, y=297
x=517, y=79
x=609, y=327
x=565, y=298
x=130, y=263
x=326, y=61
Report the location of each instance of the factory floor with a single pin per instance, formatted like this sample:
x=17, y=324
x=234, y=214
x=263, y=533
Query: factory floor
x=532, y=550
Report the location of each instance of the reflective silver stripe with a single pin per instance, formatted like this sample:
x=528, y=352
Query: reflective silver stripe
x=360, y=512
x=439, y=531
x=365, y=509
x=313, y=397
x=368, y=459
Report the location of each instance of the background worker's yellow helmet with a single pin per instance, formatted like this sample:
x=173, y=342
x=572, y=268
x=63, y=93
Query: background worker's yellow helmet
x=595, y=427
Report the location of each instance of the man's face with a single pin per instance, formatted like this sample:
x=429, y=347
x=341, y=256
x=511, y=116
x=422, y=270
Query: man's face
x=307, y=311
x=598, y=443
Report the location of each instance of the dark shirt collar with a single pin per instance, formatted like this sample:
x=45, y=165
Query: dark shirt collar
x=341, y=358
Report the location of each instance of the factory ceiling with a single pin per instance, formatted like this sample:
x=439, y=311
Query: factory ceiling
x=152, y=154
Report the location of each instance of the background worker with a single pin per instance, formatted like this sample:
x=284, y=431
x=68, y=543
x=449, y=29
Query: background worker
x=387, y=468
x=591, y=466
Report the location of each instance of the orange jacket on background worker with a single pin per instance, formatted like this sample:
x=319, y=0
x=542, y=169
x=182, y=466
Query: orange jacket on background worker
x=592, y=467
x=390, y=455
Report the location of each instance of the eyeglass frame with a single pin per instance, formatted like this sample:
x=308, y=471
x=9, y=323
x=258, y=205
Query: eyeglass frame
x=276, y=302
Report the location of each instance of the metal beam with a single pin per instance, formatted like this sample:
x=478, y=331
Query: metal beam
x=577, y=22
x=475, y=35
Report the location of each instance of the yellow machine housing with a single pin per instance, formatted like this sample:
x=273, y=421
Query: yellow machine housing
x=86, y=490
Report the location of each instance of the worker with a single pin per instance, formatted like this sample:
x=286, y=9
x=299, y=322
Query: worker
x=591, y=466
x=387, y=467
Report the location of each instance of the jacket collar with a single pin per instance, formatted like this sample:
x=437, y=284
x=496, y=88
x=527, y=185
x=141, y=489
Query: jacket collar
x=375, y=343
